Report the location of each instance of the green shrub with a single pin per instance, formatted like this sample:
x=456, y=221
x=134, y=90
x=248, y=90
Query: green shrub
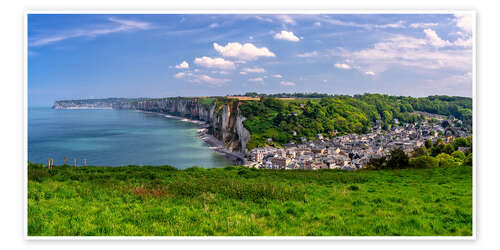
x=424, y=162
x=468, y=160
x=458, y=155
x=446, y=160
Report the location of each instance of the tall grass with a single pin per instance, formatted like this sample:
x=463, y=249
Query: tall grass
x=159, y=201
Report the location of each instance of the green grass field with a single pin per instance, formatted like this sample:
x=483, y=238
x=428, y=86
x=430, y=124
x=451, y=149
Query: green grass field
x=163, y=201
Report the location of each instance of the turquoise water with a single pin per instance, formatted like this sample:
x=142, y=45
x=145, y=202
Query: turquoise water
x=115, y=138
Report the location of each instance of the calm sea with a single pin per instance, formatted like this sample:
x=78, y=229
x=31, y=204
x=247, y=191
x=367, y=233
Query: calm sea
x=115, y=138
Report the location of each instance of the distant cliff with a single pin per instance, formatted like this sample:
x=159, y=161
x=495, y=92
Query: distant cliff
x=223, y=115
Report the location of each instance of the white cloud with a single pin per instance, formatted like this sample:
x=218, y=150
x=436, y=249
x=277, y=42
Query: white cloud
x=243, y=73
x=342, y=66
x=254, y=70
x=217, y=62
x=370, y=73
x=180, y=75
x=406, y=51
x=123, y=26
x=463, y=42
x=398, y=24
x=422, y=25
x=286, y=35
x=286, y=19
x=209, y=80
x=245, y=51
x=308, y=54
x=257, y=79
x=464, y=22
x=435, y=40
x=213, y=25
x=182, y=65
x=277, y=76
x=287, y=83
x=317, y=24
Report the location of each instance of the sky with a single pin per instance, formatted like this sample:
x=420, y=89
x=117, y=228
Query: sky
x=74, y=56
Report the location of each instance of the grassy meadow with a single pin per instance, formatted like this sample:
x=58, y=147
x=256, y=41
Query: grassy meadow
x=237, y=201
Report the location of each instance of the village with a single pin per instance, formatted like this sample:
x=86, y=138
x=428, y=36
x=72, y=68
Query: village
x=353, y=151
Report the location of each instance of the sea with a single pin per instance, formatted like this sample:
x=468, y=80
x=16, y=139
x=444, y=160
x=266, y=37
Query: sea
x=107, y=137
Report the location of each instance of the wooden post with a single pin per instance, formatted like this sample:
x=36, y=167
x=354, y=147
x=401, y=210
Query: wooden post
x=74, y=163
x=65, y=160
x=84, y=162
x=51, y=163
x=48, y=163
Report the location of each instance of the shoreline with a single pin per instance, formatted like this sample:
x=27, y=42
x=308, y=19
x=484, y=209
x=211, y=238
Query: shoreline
x=211, y=141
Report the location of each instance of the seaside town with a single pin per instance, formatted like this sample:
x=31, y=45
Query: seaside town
x=353, y=151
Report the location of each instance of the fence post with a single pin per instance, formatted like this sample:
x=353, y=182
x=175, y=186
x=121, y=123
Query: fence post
x=65, y=160
x=84, y=162
x=48, y=163
x=74, y=163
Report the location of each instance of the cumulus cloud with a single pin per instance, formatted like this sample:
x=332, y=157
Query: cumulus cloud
x=434, y=39
x=370, y=73
x=286, y=35
x=308, y=54
x=244, y=52
x=342, y=66
x=464, y=22
x=277, y=76
x=287, y=83
x=257, y=79
x=217, y=62
x=182, y=65
x=253, y=70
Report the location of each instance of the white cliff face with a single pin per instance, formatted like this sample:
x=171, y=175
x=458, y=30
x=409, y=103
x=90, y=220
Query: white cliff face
x=243, y=133
x=225, y=121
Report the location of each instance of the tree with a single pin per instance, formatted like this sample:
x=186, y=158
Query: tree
x=449, y=148
x=461, y=142
x=420, y=151
x=398, y=159
x=428, y=144
x=376, y=163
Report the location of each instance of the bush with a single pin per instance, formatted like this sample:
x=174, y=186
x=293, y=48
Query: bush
x=424, y=162
x=458, y=155
x=461, y=142
x=468, y=160
x=420, y=151
x=398, y=159
x=446, y=160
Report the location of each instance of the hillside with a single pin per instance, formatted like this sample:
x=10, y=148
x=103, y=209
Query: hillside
x=163, y=201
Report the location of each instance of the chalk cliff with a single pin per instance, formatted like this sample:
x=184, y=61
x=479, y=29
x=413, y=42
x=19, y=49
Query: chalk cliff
x=224, y=117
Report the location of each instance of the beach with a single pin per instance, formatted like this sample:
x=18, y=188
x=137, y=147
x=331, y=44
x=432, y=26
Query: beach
x=211, y=141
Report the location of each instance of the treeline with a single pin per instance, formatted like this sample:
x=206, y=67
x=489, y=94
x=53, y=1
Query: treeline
x=288, y=120
x=432, y=155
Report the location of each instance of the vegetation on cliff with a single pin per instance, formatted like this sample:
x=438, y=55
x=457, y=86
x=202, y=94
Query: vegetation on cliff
x=289, y=120
x=161, y=201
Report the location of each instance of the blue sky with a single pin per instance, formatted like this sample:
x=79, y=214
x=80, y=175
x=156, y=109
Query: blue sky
x=95, y=56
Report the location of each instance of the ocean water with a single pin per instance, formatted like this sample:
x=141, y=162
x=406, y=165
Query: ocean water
x=116, y=138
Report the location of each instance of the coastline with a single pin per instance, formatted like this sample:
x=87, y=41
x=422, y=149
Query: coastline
x=211, y=141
